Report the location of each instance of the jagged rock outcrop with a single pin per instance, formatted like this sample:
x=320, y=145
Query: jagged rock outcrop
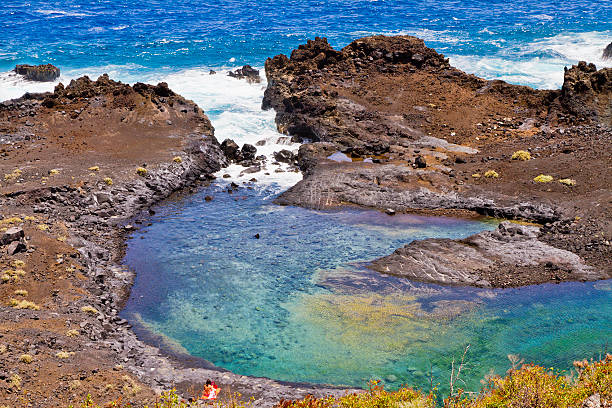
x=246, y=72
x=389, y=124
x=309, y=90
x=607, y=52
x=587, y=92
x=40, y=73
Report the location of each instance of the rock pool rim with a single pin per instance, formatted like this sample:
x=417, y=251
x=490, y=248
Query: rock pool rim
x=183, y=358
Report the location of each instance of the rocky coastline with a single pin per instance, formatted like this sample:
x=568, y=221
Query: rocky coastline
x=391, y=125
x=82, y=166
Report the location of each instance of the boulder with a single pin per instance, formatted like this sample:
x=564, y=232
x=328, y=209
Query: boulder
x=251, y=170
x=39, y=73
x=246, y=72
x=284, y=156
x=231, y=150
x=248, y=151
x=420, y=162
x=15, y=247
x=12, y=234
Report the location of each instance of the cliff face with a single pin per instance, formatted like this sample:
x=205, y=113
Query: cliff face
x=379, y=90
x=417, y=134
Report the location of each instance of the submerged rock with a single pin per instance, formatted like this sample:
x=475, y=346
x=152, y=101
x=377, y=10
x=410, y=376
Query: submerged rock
x=39, y=73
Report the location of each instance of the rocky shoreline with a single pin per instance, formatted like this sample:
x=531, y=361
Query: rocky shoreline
x=74, y=207
x=405, y=132
x=392, y=125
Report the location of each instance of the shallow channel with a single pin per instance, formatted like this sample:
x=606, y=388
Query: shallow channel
x=297, y=303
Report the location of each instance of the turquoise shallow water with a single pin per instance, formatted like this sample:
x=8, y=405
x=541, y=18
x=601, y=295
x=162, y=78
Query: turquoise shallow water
x=298, y=305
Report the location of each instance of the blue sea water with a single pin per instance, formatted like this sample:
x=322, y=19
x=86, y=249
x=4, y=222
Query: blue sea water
x=296, y=305
x=524, y=41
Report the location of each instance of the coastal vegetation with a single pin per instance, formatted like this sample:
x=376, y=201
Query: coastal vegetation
x=521, y=155
x=543, y=178
x=525, y=386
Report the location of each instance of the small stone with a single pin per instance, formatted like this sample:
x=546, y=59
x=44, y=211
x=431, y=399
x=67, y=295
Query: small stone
x=15, y=247
x=390, y=211
x=420, y=162
x=208, y=198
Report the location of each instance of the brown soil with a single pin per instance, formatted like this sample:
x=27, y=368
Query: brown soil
x=54, y=145
x=381, y=97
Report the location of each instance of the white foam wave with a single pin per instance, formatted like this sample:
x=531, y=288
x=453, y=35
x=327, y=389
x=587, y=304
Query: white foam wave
x=14, y=86
x=539, y=63
x=61, y=13
x=234, y=108
x=444, y=36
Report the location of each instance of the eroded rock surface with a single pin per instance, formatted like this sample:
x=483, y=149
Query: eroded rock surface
x=511, y=247
x=415, y=134
x=40, y=73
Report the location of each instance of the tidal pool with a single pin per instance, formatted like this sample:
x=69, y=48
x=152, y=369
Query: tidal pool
x=297, y=303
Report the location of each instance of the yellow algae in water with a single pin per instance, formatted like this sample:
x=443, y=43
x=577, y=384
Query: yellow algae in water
x=372, y=320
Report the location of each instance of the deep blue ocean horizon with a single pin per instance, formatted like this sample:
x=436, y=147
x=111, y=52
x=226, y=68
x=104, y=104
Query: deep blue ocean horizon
x=526, y=41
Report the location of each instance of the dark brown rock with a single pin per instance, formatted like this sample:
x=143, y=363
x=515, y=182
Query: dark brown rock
x=284, y=156
x=246, y=72
x=587, y=93
x=607, y=52
x=10, y=235
x=15, y=247
x=231, y=150
x=40, y=73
